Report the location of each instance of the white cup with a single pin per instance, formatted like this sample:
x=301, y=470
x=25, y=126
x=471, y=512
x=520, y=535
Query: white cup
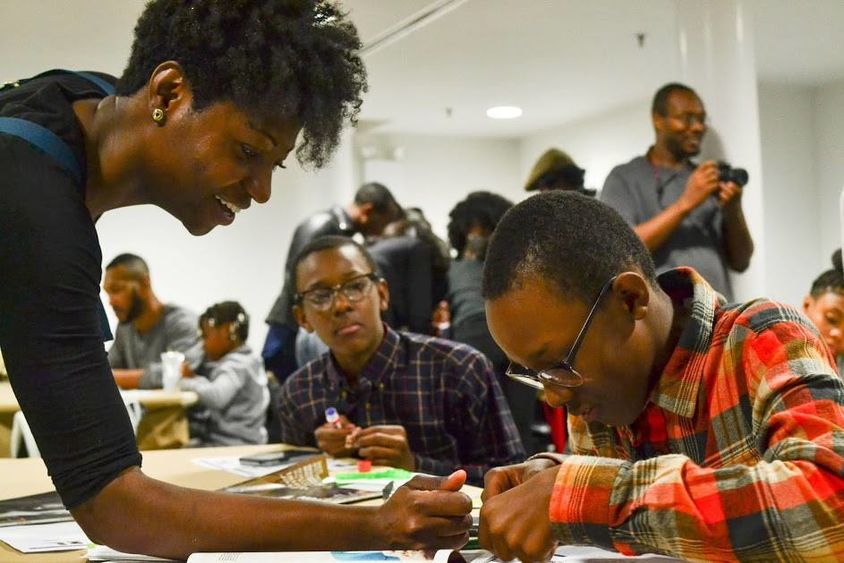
x=171, y=369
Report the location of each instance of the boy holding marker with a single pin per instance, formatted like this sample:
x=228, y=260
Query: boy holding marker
x=409, y=401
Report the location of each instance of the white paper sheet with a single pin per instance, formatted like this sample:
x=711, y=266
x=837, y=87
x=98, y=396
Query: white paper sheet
x=103, y=553
x=232, y=464
x=44, y=538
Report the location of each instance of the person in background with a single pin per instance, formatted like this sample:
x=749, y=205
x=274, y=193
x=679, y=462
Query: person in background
x=146, y=326
x=230, y=381
x=413, y=261
x=372, y=209
x=410, y=401
x=824, y=305
x=471, y=222
x=406, y=263
x=556, y=170
x=212, y=101
x=414, y=224
x=417, y=225
x=698, y=429
x=683, y=212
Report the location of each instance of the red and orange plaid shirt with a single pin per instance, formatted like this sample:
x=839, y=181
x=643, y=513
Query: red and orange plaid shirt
x=739, y=453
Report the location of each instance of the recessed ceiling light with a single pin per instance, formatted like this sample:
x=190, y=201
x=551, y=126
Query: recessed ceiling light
x=504, y=112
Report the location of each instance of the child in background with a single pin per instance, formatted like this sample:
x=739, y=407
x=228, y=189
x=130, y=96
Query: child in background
x=230, y=381
x=825, y=308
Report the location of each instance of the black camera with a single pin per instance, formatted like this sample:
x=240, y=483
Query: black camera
x=727, y=173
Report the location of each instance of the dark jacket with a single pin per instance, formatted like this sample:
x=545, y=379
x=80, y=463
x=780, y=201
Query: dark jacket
x=406, y=264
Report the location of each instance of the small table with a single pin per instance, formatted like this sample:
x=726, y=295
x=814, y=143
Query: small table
x=163, y=425
x=28, y=476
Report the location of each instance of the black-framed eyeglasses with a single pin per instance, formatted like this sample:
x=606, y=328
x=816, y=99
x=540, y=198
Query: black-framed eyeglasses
x=353, y=290
x=563, y=374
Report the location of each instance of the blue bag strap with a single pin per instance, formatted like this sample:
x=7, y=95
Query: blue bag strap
x=103, y=85
x=53, y=146
x=46, y=141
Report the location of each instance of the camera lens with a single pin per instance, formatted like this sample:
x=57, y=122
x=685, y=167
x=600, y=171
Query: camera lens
x=739, y=176
x=726, y=173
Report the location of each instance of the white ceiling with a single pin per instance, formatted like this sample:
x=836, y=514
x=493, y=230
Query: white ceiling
x=560, y=60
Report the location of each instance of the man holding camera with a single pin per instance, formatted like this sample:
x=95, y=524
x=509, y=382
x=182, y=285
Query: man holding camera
x=686, y=214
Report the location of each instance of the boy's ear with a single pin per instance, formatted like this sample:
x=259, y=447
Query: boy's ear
x=633, y=291
x=808, y=301
x=299, y=313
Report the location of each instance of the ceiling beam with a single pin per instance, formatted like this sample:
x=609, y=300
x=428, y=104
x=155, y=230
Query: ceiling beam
x=408, y=25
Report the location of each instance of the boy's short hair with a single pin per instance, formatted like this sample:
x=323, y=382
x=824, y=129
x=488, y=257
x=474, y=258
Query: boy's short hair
x=573, y=241
x=328, y=243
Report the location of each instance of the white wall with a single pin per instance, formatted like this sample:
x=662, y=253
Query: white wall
x=829, y=148
x=792, y=232
x=434, y=173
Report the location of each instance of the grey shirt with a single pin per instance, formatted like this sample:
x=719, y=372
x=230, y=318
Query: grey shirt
x=234, y=391
x=465, y=278
x=639, y=191
x=177, y=330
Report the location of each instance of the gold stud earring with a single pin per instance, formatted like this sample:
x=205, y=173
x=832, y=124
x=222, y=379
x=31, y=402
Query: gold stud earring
x=158, y=116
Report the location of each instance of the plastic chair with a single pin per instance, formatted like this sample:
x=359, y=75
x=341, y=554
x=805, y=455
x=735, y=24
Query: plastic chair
x=133, y=408
x=22, y=435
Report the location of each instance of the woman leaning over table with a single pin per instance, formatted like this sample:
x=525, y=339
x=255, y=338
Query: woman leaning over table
x=213, y=99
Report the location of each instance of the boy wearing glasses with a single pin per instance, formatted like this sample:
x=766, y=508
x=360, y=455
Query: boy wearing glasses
x=681, y=211
x=406, y=400
x=698, y=429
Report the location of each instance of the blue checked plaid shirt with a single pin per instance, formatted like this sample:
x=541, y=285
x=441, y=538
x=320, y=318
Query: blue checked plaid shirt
x=445, y=394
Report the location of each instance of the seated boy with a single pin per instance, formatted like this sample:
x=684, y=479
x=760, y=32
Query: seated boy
x=407, y=400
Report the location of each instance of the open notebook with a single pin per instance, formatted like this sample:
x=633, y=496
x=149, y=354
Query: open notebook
x=302, y=481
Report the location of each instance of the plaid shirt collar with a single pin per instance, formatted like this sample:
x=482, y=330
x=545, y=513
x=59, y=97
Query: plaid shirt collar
x=388, y=358
x=678, y=387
